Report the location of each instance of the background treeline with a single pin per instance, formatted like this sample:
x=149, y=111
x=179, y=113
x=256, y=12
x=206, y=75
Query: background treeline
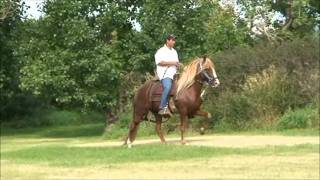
x=83, y=60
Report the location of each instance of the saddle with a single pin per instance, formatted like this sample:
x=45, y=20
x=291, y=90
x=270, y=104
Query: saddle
x=157, y=89
x=156, y=92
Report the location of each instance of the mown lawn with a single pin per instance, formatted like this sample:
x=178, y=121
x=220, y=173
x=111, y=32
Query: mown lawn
x=45, y=154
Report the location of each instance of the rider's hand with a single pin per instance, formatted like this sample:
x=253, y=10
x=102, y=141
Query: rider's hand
x=178, y=64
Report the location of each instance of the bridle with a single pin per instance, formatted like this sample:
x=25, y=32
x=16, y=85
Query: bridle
x=205, y=73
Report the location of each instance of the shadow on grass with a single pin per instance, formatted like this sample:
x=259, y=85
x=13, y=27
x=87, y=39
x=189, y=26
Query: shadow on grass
x=66, y=131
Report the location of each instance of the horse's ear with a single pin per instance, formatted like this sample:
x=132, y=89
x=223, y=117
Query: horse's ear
x=204, y=58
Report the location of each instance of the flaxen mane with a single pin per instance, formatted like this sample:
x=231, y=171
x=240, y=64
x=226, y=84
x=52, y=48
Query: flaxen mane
x=189, y=72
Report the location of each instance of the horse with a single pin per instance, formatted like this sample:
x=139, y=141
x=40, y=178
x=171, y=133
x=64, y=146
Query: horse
x=187, y=98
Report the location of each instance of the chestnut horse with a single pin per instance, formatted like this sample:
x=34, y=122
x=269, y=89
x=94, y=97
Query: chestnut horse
x=187, y=98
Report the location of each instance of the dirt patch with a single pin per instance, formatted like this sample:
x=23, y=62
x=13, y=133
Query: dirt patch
x=237, y=141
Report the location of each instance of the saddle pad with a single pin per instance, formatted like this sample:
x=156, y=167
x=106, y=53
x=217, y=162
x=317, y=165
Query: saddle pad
x=157, y=89
x=156, y=98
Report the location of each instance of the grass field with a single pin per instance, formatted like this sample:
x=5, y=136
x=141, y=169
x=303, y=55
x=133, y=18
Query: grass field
x=81, y=152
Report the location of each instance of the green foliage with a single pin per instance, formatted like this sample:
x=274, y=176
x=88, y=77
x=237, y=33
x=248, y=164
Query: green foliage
x=20, y=105
x=256, y=96
x=305, y=13
x=307, y=117
x=88, y=55
x=224, y=32
x=65, y=130
x=200, y=26
x=10, y=24
x=70, y=55
x=233, y=112
x=44, y=116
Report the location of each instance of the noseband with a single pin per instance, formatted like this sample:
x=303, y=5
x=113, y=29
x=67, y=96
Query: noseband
x=209, y=79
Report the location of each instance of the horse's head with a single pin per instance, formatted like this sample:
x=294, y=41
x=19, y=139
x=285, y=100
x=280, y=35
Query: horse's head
x=199, y=70
x=207, y=73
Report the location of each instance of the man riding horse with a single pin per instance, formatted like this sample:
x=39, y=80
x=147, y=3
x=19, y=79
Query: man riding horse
x=167, y=61
x=187, y=97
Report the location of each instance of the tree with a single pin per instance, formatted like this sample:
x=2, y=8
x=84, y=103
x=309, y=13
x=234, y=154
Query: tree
x=70, y=53
x=300, y=17
x=186, y=19
x=225, y=29
x=202, y=27
x=10, y=20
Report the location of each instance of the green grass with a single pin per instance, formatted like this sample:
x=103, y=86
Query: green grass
x=51, y=145
x=80, y=130
x=272, y=131
x=97, y=130
x=48, y=152
x=62, y=155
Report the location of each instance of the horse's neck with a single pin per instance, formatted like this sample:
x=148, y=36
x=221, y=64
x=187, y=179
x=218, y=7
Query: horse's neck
x=197, y=88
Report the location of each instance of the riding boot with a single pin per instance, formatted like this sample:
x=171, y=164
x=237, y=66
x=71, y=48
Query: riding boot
x=165, y=112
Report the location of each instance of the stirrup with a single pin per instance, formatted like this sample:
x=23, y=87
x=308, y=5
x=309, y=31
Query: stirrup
x=165, y=112
x=172, y=107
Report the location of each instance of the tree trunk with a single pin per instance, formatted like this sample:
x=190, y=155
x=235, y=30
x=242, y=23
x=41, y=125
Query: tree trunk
x=6, y=10
x=289, y=16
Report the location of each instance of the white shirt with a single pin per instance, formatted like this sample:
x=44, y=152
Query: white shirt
x=168, y=55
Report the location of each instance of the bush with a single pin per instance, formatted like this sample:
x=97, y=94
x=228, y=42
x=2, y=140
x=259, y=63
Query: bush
x=259, y=84
x=302, y=118
x=231, y=111
x=20, y=105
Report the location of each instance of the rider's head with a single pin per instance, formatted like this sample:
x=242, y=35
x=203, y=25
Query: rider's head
x=170, y=40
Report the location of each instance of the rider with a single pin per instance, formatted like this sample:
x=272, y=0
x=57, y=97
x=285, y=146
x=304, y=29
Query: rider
x=167, y=61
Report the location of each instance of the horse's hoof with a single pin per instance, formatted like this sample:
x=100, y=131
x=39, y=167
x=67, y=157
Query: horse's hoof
x=209, y=115
x=202, y=131
x=129, y=144
x=163, y=142
x=184, y=143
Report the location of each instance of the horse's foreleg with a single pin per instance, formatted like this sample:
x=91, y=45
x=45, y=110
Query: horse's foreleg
x=183, y=127
x=125, y=140
x=158, y=128
x=203, y=114
x=206, y=116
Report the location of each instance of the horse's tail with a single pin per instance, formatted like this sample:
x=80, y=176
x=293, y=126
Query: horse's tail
x=141, y=103
x=143, y=91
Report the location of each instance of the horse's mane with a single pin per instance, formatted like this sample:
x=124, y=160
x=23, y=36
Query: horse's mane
x=189, y=73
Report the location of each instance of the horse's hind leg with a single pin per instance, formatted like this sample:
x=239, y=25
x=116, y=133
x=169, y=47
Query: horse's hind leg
x=133, y=129
x=158, y=128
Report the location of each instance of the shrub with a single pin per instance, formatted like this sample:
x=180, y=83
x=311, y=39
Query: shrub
x=20, y=105
x=302, y=118
x=231, y=111
x=259, y=84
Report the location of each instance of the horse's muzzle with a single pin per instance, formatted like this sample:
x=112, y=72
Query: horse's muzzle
x=215, y=83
